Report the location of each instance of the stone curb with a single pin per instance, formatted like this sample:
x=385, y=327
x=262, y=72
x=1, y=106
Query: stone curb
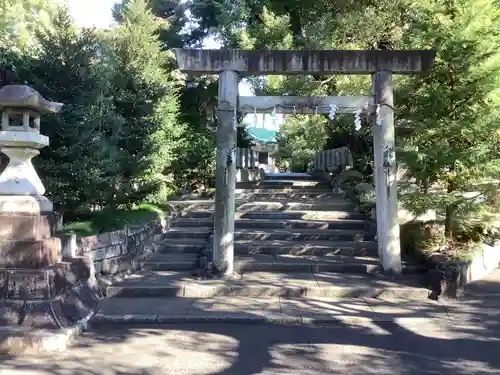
x=16, y=341
x=106, y=319
x=194, y=290
x=449, y=278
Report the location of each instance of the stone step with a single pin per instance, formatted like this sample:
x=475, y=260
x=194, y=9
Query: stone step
x=190, y=202
x=271, y=223
x=198, y=207
x=300, y=224
x=189, y=232
x=287, y=196
x=272, y=195
x=274, y=247
x=317, y=205
x=302, y=234
x=293, y=182
x=267, y=284
x=361, y=312
x=272, y=263
x=183, y=245
x=202, y=214
x=184, y=240
x=271, y=213
x=291, y=176
x=306, y=263
x=283, y=186
x=203, y=210
x=189, y=222
x=171, y=262
x=301, y=215
x=351, y=248
x=274, y=190
x=293, y=200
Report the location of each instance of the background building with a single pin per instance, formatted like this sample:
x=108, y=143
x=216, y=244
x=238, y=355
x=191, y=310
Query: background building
x=263, y=128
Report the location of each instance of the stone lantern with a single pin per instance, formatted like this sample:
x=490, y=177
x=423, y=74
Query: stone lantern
x=20, y=187
x=38, y=287
x=26, y=217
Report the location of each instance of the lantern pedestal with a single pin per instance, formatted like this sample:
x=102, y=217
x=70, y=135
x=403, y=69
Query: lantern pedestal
x=27, y=220
x=38, y=288
x=28, y=204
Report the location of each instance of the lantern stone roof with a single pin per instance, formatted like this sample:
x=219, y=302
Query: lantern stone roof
x=22, y=96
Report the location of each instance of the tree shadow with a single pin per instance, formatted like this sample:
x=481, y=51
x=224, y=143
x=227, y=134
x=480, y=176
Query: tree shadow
x=465, y=340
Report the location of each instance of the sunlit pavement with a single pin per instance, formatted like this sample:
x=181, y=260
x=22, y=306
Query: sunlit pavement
x=464, y=341
x=415, y=347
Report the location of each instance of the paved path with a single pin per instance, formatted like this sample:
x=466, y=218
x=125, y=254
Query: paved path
x=415, y=348
x=465, y=340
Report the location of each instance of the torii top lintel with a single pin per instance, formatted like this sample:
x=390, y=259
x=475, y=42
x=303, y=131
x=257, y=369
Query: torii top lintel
x=272, y=62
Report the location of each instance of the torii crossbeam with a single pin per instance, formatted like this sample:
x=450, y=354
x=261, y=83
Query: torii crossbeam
x=304, y=104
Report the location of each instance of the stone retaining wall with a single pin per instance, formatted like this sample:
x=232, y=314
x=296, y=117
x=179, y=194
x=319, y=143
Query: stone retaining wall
x=115, y=252
x=448, y=278
x=483, y=262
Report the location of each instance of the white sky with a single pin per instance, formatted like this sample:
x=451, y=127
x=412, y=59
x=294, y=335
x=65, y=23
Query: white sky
x=97, y=13
x=92, y=13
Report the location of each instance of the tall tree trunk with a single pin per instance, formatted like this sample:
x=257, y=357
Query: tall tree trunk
x=295, y=27
x=425, y=184
x=7, y=75
x=448, y=223
x=450, y=214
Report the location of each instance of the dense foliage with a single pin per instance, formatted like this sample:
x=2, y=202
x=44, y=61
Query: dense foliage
x=119, y=131
x=447, y=120
x=133, y=128
x=453, y=138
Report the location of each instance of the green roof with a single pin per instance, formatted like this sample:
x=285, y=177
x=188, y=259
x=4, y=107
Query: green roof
x=263, y=135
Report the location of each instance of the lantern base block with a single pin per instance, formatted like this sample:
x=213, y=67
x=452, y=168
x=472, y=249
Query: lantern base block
x=28, y=204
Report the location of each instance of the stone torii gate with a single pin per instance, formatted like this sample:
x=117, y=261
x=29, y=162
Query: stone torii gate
x=231, y=65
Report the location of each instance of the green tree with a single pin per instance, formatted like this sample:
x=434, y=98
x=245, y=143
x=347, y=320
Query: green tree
x=21, y=20
x=66, y=70
x=195, y=164
x=197, y=95
x=448, y=133
x=453, y=111
x=145, y=94
x=300, y=139
x=291, y=24
x=179, y=30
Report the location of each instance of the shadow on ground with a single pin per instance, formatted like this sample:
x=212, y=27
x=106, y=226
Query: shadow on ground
x=464, y=340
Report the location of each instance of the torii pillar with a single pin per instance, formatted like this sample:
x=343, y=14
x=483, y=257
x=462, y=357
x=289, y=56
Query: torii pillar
x=233, y=64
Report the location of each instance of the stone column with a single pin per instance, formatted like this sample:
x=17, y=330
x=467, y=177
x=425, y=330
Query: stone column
x=225, y=184
x=385, y=174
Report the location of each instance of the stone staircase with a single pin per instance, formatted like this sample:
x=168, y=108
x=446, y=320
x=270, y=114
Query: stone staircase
x=294, y=238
